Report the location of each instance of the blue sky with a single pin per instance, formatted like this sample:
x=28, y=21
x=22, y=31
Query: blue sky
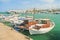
x=25, y=4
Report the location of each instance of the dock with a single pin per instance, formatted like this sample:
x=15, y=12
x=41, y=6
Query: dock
x=7, y=34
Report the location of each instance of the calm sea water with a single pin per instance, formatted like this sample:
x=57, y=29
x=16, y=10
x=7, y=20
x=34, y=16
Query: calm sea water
x=54, y=34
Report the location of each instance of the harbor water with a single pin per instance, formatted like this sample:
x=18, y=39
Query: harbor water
x=54, y=34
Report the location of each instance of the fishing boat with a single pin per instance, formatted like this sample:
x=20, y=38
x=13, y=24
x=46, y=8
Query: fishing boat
x=39, y=26
x=44, y=26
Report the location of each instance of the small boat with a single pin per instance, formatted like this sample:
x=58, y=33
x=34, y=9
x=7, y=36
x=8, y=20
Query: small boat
x=36, y=26
x=44, y=26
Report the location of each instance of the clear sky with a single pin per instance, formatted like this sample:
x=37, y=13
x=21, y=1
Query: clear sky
x=25, y=4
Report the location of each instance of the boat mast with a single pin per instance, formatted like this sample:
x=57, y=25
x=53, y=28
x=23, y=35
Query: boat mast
x=33, y=12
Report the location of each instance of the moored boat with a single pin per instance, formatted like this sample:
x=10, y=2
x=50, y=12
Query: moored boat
x=34, y=26
x=42, y=28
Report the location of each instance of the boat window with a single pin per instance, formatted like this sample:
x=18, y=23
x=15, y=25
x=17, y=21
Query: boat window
x=43, y=22
x=37, y=21
x=26, y=21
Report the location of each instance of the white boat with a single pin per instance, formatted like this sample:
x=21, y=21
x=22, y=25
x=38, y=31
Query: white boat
x=32, y=30
x=42, y=22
